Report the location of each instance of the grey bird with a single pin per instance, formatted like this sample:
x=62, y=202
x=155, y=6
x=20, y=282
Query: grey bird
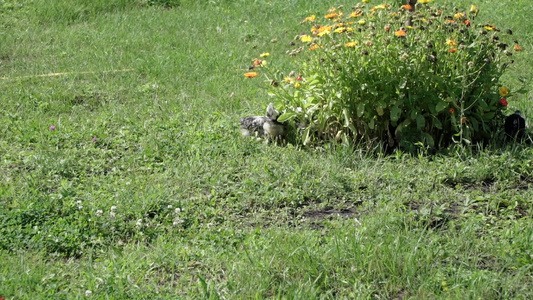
x=263, y=126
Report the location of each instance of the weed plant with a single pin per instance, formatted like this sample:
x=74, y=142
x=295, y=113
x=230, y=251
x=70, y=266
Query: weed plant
x=425, y=76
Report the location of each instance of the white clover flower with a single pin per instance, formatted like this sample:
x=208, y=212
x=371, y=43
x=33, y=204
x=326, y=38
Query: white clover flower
x=139, y=223
x=177, y=222
x=170, y=206
x=78, y=202
x=88, y=293
x=112, y=214
x=99, y=213
x=113, y=208
x=177, y=210
x=299, y=109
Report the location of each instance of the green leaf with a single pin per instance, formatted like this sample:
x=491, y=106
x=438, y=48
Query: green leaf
x=380, y=111
x=360, y=109
x=437, y=123
x=395, y=113
x=371, y=124
x=286, y=117
x=420, y=122
x=441, y=105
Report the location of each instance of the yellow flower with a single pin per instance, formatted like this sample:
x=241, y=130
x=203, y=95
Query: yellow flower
x=366, y=1
x=287, y=79
x=250, y=74
x=340, y=29
x=362, y=22
x=424, y=1
x=474, y=10
x=459, y=15
x=306, y=39
x=451, y=42
x=264, y=54
x=351, y=44
x=356, y=13
x=504, y=91
x=315, y=46
x=382, y=6
x=297, y=85
x=311, y=18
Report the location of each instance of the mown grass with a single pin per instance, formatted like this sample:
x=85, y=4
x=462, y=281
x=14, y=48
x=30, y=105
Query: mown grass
x=152, y=84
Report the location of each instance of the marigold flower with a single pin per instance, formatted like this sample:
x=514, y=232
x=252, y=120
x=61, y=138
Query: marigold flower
x=306, y=39
x=340, y=29
x=400, y=33
x=264, y=54
x=311, y=18
x=323, y=33
x=250, y=74
x=503, y=102
x=449, y=21
x=315, y=46
x=452, y=50
x=331, y=15
x=356, y=13
x=259, y=63
x=459, y=15
x=382, y=6
x=297, y=85
x=517, y=47
x=351, y=44
x=361, y=22
x=407, y=7
x=504, y=91
x=451, y=42
x=474, y=10
x=467, y=23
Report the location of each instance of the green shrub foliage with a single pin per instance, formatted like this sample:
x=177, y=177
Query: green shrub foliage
x=408, y=76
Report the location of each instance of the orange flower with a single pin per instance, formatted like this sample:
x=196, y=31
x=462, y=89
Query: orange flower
x=449, y=21
x=400, y=33
x=315, y=46
x=407, y=7
x=463, y=120
x=250, y=74
x=467, y=23
x=452, y=50
x=331, y=15
x=517, y=47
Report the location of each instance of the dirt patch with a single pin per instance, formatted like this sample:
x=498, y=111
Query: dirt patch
x=329, y=212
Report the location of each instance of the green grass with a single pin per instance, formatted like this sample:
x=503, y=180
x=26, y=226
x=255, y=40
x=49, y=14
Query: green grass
x=153, y=85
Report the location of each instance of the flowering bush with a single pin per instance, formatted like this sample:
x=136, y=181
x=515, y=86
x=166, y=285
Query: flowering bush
x=395, y=74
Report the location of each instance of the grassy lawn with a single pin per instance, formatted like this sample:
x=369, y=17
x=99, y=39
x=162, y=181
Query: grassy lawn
x=123, y=174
